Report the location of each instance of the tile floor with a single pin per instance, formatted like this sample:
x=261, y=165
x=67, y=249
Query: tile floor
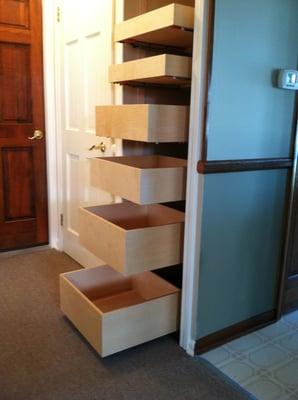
x=264, y=362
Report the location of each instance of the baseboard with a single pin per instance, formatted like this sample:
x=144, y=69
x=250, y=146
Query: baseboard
x=27, y=250
x=290, y=307
x=235, y=331
x=291, y=295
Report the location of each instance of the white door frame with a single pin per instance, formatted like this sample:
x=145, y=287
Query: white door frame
x=195, y=181
x=53, y=134
x=52, y=118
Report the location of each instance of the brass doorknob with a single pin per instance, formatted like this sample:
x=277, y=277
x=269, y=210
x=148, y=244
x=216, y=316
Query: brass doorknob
x=101, y=146
x=37, y=135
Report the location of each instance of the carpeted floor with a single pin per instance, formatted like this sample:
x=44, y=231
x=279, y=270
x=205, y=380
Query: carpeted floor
x=42, y=357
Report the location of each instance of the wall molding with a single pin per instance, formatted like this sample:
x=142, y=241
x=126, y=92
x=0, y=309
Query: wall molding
x=222, y=166
x=235, y=331
x=291, y=294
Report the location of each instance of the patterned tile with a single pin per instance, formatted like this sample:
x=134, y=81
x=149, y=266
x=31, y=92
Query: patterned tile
x=293, y=396
x=265, y=389
x=245, y=343
x=217, y=356
x=288, y=374
x=292, y=319
x=265, y=362
x=290, y=342
x=275, y=330
x=238, y=371
x=267, y=356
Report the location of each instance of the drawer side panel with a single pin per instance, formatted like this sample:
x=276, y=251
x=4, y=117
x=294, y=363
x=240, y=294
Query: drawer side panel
x=80, y=312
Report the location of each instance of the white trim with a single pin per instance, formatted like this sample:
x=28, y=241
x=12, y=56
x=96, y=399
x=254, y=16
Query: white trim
x=52, y=95
x=29, y=250
x=52, y=141
x=195, y=184
x=191, y=348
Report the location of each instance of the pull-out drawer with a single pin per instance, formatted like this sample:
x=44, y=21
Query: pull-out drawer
x=133, y=238
x=171, y=25
x=114, y=312
x=143, y=122
x=164, y=69
x=152, y=179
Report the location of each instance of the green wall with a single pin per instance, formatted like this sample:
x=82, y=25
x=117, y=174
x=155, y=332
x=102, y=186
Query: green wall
x=241, y=247
x=243, y=212
x=249, y=117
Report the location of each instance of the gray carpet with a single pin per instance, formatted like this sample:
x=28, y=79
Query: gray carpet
x=42, y=357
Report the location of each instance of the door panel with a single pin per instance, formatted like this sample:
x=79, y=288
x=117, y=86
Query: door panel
x=14, y=79
x=86, y=53
x=18, y=177
x=14, y=13
x=23, y=194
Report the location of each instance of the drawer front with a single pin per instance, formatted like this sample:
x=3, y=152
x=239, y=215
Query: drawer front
x=139, y=324
x=159, y=69
x=159, y=27
x=146, y=186
x=151, y=248
x=155, y=313
x=163, y=185
x=143, y=122
x=135, y=250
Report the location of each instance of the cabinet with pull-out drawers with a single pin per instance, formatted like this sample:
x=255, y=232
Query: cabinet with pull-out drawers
x=114, y=312
x=126, y=302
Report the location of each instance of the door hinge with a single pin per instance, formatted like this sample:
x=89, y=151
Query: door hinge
x=58, y=14
x=61, y=219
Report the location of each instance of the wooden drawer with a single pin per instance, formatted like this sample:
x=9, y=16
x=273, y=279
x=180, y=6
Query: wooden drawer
x=133, y=238
x=171, y=25
x=152, y=179
x=114, y=312
x=164, y=69
x=143, y=122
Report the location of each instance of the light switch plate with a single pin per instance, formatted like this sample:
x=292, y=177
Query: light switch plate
x=288, y=79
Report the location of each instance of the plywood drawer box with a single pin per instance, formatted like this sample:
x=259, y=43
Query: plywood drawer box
x=133, y=238
x=143, y=122
x=114, y=312
x=164, y=69
x=171, y=25
x=141, y=179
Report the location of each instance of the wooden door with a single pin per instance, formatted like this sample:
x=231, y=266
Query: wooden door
x=23, y=193
x=86, y=53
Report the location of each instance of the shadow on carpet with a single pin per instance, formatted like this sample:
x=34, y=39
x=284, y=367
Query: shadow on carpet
x=43, y=357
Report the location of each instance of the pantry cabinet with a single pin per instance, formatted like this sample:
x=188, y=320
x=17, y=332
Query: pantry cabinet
x=125, y=302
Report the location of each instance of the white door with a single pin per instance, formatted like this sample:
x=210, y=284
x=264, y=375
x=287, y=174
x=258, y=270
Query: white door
x=85, y=37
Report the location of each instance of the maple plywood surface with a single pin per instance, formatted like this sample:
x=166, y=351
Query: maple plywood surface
x=162, y=69
x=171, y=25
x=143, y=122
x=111, y=311
x=132, y=238
x=152, y=179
